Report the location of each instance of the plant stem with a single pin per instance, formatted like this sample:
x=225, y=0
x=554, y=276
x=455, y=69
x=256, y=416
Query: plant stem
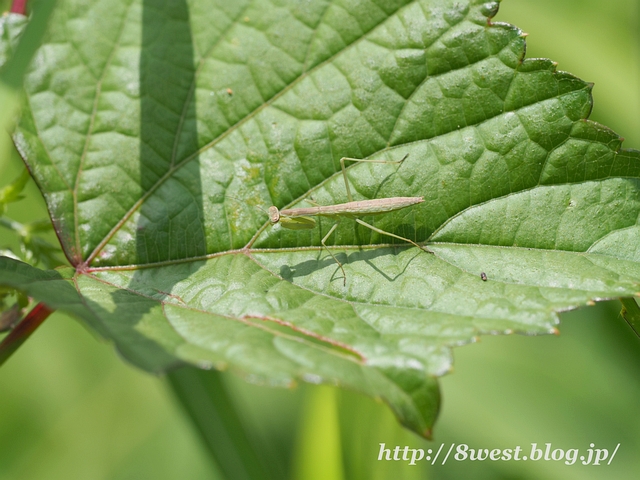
x=205, y=398
x=318, y=452
x=11, y=225
x=19, y=6
x=23, y=330
x=14, y=69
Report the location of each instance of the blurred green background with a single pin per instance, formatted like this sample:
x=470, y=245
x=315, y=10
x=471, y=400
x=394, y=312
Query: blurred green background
x=71, y=409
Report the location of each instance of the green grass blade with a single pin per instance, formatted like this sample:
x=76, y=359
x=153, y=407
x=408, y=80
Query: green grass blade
x=205, y=399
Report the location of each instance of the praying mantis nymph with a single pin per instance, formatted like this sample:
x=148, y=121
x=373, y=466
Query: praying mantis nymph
x=300, y=218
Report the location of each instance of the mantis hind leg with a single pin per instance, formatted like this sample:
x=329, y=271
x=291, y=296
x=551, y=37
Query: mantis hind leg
x=378, y=230
x=344, y=274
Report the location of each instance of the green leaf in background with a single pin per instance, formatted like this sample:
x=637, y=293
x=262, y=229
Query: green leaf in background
x=154, y=128
x=33, y=248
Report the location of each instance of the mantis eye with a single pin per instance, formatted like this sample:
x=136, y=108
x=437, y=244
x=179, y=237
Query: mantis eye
x=274, y=215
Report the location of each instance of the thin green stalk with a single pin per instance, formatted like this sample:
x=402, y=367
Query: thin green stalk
x=318, y=454
x=204, y=397
x=11, y=224
x=13, y=71
x=15, y=68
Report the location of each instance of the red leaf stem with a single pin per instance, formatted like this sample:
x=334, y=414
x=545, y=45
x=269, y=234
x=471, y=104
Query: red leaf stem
x=23, y=330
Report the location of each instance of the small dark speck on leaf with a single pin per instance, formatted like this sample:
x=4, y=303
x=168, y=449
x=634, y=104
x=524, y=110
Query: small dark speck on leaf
x=483, y=276
x=229, y=91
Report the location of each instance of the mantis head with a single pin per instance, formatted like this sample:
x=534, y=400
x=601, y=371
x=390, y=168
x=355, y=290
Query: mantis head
x=274, y=215
x=290, y=222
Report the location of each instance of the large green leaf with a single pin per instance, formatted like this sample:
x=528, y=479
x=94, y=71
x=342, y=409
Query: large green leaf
x=155, y=128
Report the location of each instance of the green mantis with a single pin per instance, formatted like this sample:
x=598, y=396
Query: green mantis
x=301, y=218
